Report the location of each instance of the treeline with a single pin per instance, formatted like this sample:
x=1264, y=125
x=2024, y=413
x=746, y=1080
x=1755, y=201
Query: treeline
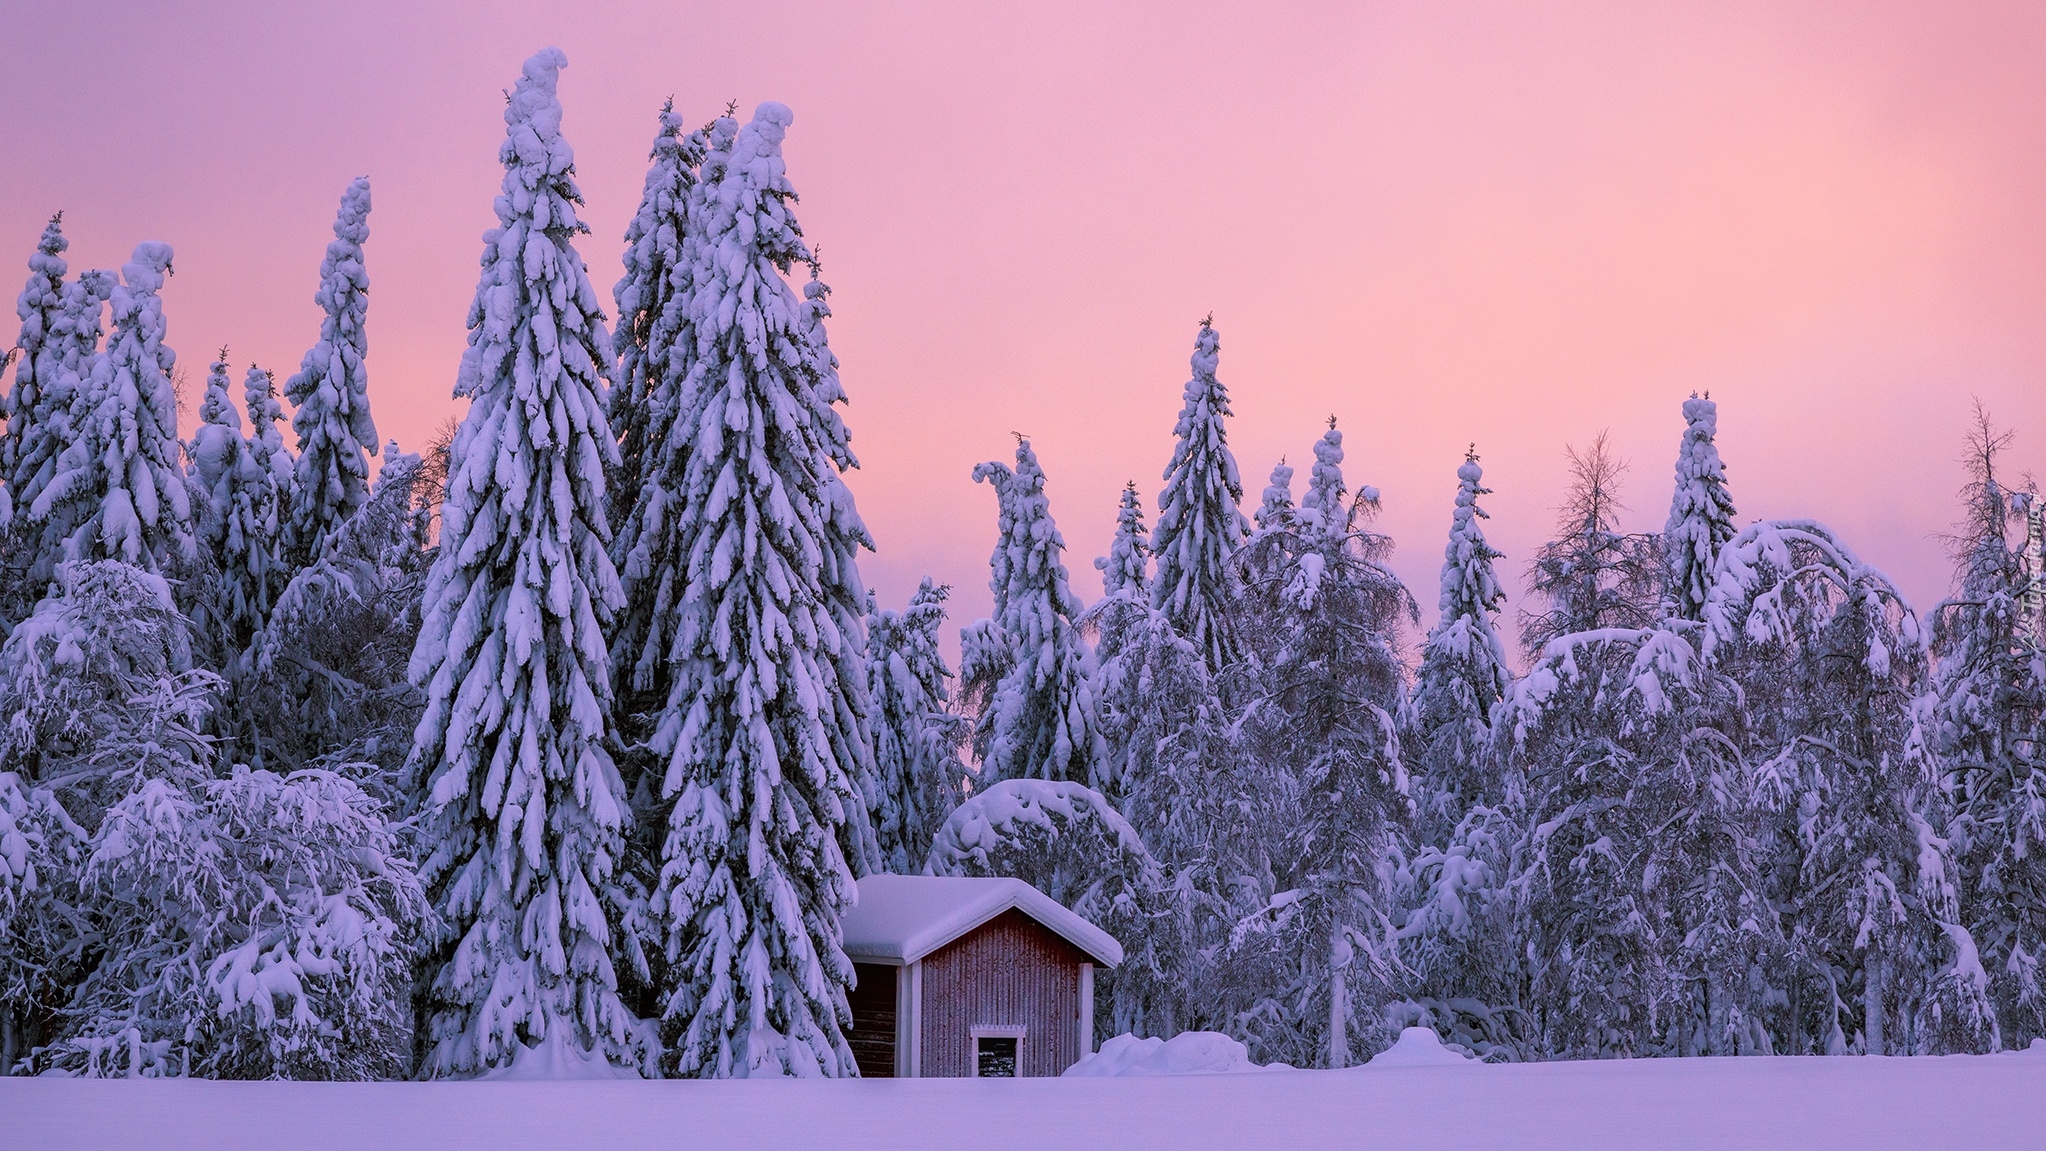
x=576, y=728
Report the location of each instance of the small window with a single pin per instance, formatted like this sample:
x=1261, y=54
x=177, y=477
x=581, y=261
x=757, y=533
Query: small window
x=995, y=1057
x=997, y=1052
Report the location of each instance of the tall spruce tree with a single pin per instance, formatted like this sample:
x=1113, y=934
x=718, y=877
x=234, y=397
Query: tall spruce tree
x=46, y=426
x=58, y=340
x=1700, y=513
x=1137, y=688
x=658, y=345
x=1316, y=727
x=1125, y=570
x=763, y=732
x=650, y=300
x=331, y=392
x=524, y=808
x=214, y=456
x=1276, y=507
x=118, y=490
x=1200, y=525
x=237, y=518
x=39, y=306
x=917, y=770
x=1463, y=673
x=1167, y=755
x=266, y=440
x=1034, y=709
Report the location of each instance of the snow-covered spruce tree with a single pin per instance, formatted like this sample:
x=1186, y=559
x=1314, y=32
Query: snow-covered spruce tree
x=1456, y=935
x=1276, y=510
x=1159, y=713
x=1700, y=513
x=1987, y=719
x=243, y=496
x=1034, y=710
x=1068, y=841
x=525, y=809
x=1463, y=673
x=1199, y=523
x=1125, y=570
x=651, y=299
x=48, y=427
x=235, y=517
x=856, y=835
x=1463, y=962
x=214, y=446
x=1162, y=725
x=330, y=391
x=35, y=361
x=118, y=489
x=1316, y=726
x=763, y=733
x=1638, y=886
x=918, y=775
x=661, y=347
x=657, y=347
x=1118, y=625
x=1592, y=575
x=1830, y=660
x=1276, y=516
x=266, y=440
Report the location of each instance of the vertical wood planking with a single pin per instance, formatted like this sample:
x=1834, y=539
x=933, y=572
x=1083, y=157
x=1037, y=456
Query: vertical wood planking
x=1009, y=972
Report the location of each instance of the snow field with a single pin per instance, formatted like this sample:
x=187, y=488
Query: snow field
x=1811, y=1103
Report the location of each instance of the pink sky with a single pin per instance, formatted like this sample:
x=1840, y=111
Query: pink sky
x=1508, y=224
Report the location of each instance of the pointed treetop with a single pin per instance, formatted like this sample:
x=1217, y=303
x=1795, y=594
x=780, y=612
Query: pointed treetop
x=39, y=308
x=1277, y=510
x=1701, y=510
x=1200, y=522
x=1469, y=587
x=216, y=407
x=331, y=389
x=1322, y=508
x=1124, y=568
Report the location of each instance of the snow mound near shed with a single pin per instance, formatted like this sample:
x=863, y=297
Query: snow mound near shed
x=1188, y=1053
x=1418, y=1047
x=554, y=1058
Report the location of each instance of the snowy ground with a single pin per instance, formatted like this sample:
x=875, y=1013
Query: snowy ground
x=1961, y=1102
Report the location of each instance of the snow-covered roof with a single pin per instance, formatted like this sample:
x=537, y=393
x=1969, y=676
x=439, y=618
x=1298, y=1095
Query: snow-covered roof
x=902, y=918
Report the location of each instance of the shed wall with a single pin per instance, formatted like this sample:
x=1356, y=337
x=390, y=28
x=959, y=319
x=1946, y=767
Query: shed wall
x=1009, y=972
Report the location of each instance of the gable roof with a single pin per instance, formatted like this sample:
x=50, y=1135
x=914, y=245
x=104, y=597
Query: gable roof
x=902, y=918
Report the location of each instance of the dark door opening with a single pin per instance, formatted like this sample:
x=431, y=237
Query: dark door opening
x=873, y=1010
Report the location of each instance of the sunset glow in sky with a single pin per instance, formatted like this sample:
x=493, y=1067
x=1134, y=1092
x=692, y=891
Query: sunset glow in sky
x=1512, y=225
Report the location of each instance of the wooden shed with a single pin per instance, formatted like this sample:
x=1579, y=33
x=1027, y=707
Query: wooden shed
x=970, y=977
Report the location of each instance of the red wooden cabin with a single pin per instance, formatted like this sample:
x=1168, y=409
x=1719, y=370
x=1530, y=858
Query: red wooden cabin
x=970, y=977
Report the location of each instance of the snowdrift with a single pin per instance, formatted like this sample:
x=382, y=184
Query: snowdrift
x=1811, y=1103
x=1418, y=1047
x=1187, y=1053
